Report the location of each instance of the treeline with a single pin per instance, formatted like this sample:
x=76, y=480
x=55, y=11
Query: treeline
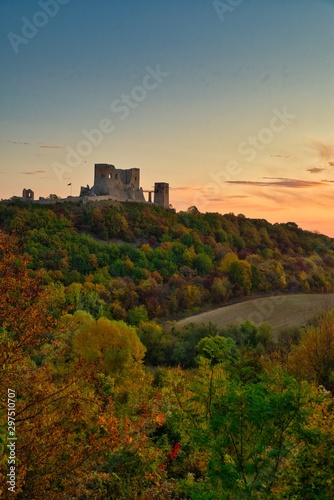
x=214, y=414
x=134, y=261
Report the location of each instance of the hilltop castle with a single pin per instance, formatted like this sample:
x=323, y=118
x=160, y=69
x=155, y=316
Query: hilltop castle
x=110, y=183
x=124, y=185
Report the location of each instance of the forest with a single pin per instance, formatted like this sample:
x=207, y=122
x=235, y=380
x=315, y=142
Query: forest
x=111, y=401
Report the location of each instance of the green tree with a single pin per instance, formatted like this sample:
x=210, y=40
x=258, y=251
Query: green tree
x=137, y=315
x=241, y=434
x=217, y=349
x=203, y=263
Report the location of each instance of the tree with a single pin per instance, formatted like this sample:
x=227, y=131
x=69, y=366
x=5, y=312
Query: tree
x=48, y=450
x=313, y=358
x=203, y=263
x=240, y=434
x=241, y=274
x=150, y=334
x=137, y=314
x=238, y=271
x=217, y=349
x=308, y=471
x=112, y=347
x=65, y=376
x=221, y=289
x=25, y=306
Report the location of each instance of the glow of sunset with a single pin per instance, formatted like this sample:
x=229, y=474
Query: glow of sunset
x=233, y=106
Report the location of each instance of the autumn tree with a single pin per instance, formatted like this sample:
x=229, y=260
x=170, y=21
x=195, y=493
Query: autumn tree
x=313, y=358
x=240, y=434
x=78, y=388
x=308, y=471
x=25, y=306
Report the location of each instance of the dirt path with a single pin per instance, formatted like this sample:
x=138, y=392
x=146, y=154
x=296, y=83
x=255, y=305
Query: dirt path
x=279, y=311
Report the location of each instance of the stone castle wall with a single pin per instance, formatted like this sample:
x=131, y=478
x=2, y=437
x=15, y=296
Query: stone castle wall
x=123, y=185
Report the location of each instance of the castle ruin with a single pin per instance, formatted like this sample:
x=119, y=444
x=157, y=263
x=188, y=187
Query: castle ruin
x=110, y=183
x=161, y=194
x=123, y=185
x=28, y=194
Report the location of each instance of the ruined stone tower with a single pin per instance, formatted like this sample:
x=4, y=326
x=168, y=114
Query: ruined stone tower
x=28, y=194
x=121, y=184
x=161, y=194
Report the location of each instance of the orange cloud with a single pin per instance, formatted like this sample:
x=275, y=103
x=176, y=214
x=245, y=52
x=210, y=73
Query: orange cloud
x=279, y=182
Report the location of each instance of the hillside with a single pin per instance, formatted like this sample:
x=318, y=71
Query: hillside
x=115, y=258
x=104, y=408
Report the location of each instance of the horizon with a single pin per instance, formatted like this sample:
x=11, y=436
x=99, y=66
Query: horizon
x=229, y=102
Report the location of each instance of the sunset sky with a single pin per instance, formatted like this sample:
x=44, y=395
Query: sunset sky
x=231, y=102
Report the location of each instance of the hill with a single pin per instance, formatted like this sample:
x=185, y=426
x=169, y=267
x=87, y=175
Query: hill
x=134, y=260
x=106, y=409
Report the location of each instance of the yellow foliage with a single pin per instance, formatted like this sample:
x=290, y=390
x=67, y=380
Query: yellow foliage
x=227, y=261
x=313, y=359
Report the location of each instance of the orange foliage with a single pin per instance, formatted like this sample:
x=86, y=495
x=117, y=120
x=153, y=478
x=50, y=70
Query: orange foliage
x=65, y=427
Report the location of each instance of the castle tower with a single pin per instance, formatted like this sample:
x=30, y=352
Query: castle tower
x=104, y=178
x=119, y=183
x=161, y=194
x=28, y=194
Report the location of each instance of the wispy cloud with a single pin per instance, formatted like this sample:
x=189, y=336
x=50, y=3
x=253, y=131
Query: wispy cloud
x=280, y=156
x=324, y=150
x=316, y=170
x=38, y=144
x=281, y=198
x=18, y=142
x=186, y=188
x=279, y=182
x=34, y=172
x=231, y=197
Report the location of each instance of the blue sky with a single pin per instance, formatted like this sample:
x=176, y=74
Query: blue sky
x=227, y=77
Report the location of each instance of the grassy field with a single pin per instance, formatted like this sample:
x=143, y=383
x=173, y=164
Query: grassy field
x=279, y=311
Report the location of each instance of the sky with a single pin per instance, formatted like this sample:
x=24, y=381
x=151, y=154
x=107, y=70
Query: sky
x=229, y=101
